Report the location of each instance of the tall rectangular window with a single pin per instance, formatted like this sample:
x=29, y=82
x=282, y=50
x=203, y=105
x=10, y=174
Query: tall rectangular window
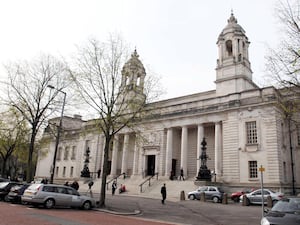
x=64, y=172
x=56, y=171
x=73, y=154
x=252, y=169
x=251, y=132
x=66, y=154
x=58, y=156
x=71, y=171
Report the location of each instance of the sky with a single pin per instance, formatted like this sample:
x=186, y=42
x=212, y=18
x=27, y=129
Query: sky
x=176, y=39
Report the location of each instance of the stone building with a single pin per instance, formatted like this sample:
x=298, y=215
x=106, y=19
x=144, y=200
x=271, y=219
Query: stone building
x=241, y=123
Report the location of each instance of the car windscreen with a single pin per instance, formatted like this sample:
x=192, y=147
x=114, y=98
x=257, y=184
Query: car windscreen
x=287, y=205
x=3, y=184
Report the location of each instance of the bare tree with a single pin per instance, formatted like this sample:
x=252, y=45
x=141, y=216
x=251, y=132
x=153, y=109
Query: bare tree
x=284, y=62
x=117, y=97
x=13, y=136
x=28, y=93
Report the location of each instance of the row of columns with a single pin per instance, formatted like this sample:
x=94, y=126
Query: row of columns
x=138, y=159
x=184, y=148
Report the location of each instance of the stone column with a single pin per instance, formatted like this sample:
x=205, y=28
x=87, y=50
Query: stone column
x=200, y=136
x=169, y=151
x=125, y=152
x=135, y=157
x=162, y=154
x=114, y=158
x=218, y=149
x=184, y=149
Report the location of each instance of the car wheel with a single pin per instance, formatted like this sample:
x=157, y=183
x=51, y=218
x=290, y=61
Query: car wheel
x=247, y=201
x=49, y=203
x=86, y=205
x=215, y=199
x=192, y=197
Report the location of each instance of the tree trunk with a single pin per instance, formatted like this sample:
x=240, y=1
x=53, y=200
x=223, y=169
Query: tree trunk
x=104, y=173
x=29, y=176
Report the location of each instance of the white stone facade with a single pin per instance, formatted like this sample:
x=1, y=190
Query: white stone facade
x=240, y=122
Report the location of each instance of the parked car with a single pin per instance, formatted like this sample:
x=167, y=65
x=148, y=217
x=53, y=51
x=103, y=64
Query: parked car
x=285, y=211
x=5, y=188
x=51, y=195
x=235, y=196
x=211, y=193
x=3, y=179
x=16, y=192
x=255, y=197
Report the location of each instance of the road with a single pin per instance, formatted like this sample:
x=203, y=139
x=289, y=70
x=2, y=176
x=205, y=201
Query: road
x=152, y=213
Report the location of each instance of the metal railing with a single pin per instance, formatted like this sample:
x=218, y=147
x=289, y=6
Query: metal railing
x=148, y=180
x=115, y=178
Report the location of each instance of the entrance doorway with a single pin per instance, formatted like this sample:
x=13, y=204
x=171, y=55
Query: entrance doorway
x=150, y=165
x=174, y=162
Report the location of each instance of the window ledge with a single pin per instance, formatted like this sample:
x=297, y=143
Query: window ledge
x=251, y=147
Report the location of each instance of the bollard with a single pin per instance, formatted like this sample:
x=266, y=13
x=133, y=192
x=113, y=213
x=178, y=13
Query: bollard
x=225, y=200
x=269, y=202
x=202, y=196
x=182, y=196
x=245, y=200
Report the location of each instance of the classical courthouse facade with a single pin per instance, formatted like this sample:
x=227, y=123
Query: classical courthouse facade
x=240, y=122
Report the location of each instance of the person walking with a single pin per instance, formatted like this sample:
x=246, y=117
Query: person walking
x=113, y=187
x=181, y=174
x=163, y=192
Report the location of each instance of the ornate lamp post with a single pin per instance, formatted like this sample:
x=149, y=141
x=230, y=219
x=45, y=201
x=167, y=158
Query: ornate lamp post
x=86, y=172
x=204, y=173
x=58, y=133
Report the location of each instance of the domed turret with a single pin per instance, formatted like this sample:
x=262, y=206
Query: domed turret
x=234, y=72
x=132, y=84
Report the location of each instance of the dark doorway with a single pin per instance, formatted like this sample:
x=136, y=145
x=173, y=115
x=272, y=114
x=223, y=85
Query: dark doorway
x=174, y=161
x=150, y=165
x=108, y=167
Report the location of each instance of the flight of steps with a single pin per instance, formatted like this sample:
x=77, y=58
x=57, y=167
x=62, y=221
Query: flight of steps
x=174, y=187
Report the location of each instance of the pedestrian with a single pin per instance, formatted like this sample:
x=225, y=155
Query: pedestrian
x=181, y=174
x=75, y=185
x=113, y=187
x=67, y=183
x=163, y=192
x=98, y=173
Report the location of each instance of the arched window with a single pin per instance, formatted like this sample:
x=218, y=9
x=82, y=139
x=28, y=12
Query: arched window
x=229, y=47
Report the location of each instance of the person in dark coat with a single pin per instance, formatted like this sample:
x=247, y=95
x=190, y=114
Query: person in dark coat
x=181, y=174
x=113, y=187
x=163, y=192
x=75, y=185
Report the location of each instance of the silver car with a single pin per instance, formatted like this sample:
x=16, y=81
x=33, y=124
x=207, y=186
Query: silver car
x=51, y=195
x=211, y=193
x=255, y=197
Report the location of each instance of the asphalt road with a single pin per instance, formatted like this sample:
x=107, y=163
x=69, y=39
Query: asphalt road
x=123, y=210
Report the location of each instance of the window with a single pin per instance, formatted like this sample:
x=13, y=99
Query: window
x=229, y=47
x=71, y=171
x=73, y=153
x=58, y=156
x=252, y=169
x=284, y=172
x=57, y=169
x=251, y=132
x=64, y=171
x=66, y=155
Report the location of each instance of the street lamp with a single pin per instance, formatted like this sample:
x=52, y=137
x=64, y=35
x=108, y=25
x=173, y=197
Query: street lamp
x=58, y=133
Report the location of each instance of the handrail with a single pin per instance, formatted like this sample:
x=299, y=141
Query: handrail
x=148, y=179
x=115, y=178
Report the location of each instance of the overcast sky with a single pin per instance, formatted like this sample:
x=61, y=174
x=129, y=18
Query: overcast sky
x=176, y=39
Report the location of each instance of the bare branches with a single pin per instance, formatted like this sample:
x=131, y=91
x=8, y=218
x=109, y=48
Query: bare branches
x=28, y=92
x=284, y=63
